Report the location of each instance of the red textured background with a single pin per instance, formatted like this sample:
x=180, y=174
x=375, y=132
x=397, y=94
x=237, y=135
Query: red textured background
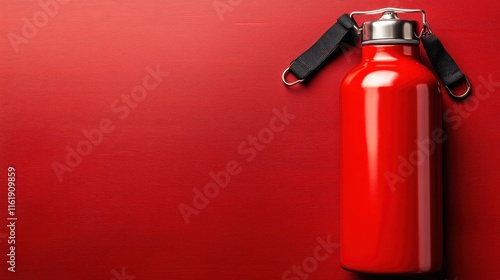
x=118, y=209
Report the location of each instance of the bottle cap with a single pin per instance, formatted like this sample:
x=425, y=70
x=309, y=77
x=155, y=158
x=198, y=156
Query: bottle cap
x=389, y=29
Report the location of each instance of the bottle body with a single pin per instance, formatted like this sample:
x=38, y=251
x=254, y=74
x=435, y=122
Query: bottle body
x=390, y=160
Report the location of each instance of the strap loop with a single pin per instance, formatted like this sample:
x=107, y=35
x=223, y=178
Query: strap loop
x=308, y=63
x=283, y=78
x=463, y=95
x=444, y=65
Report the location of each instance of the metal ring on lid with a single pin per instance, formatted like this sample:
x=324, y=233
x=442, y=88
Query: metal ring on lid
x=426, y=30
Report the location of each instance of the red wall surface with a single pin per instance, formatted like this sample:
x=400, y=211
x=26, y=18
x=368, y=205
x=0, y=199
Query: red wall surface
x=159, y=95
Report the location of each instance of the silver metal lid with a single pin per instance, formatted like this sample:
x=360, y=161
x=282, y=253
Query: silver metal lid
x=389, y=29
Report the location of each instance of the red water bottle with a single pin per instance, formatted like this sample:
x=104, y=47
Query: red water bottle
x=390, y=180
x=390, y=138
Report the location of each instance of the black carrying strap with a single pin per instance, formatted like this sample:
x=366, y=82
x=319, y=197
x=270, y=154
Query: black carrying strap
x=308, y=63
x=444, y=65
x=345, y=31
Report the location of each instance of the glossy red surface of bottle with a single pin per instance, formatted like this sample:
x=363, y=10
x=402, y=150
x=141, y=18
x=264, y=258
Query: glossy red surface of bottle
x=390, y=116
